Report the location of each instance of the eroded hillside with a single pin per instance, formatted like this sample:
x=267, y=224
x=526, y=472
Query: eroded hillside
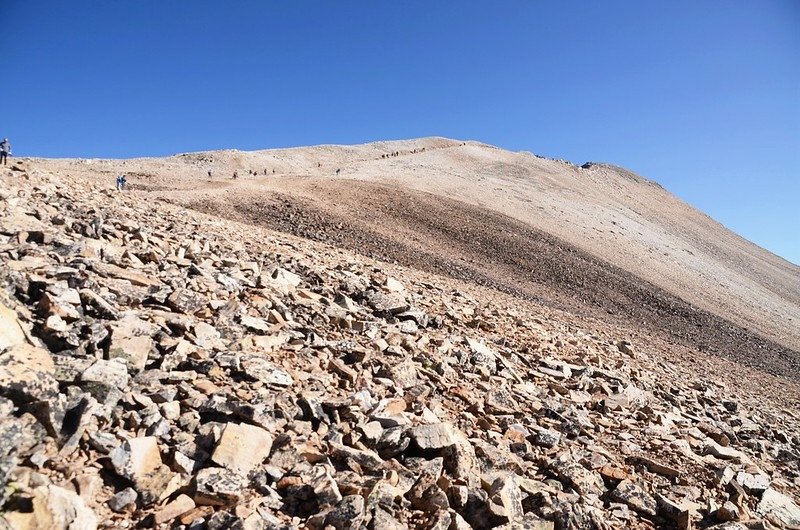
x=163, y=367
x=605, y=212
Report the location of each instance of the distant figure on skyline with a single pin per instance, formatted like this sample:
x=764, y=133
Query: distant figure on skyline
x=121, y=180
x=5, y=150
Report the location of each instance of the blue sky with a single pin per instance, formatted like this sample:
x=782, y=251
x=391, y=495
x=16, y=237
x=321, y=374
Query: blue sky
x=703, y=97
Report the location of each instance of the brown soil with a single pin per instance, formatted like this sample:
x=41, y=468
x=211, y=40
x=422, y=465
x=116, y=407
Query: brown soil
x=482, y=246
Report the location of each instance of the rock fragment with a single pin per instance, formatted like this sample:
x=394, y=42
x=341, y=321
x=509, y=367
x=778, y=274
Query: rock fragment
x=242, y=447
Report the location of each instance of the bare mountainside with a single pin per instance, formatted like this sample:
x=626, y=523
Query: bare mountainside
x=162, y=367
x=594, y=238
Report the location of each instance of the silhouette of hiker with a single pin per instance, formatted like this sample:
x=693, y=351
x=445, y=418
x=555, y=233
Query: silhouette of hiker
x=236, y=174
x=209, y=173
x=5, y=150
x=337, y=171
x=121, y=180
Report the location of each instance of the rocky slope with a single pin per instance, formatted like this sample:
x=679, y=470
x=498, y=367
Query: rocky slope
x=165, y=368
x=599, y=210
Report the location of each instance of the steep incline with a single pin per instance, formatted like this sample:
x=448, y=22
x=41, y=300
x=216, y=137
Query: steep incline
x=163, y=368
x=608, y=213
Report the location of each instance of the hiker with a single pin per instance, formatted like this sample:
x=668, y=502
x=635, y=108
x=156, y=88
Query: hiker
x=337, y=171
x=236, y=174
x=5, y=150
x=209, y=173
x=121, y=182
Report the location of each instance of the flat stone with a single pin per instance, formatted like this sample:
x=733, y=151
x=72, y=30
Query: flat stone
x=11, y=332
x=123, y=500
x=723, y=453
x=27, y=373
x=139, y=460
x=216, y=486
x=242, y=447
x=348, y=514
x=104, y=377
x=181, y=505
x=776, y=505
x=131, y=341
x=756, y=483
x=635, y=497
x=434, y=436
x=267, y=372
x=583, y=480
x=54, y=508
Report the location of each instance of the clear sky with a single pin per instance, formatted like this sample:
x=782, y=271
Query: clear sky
x=702, y=96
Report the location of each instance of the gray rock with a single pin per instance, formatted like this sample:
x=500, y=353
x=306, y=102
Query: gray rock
x=105, y=378
x=122, y=500
x=392, y=303
x=755, y=483
x=186, y=301
x=635, y=497
x=546, y=438
x=131, y=341
x=776, y=505
x=95, y=305
x=348, y=514
x=265, y=371
x=583, y=480
x=434, y=436
x=216, y=486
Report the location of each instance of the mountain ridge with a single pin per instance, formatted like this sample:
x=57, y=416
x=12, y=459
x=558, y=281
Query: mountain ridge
x=607, y=211
x=164, y=367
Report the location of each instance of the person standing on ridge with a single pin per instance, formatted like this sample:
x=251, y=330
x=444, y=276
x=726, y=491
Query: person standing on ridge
x=121, y=182
x=5, y=150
